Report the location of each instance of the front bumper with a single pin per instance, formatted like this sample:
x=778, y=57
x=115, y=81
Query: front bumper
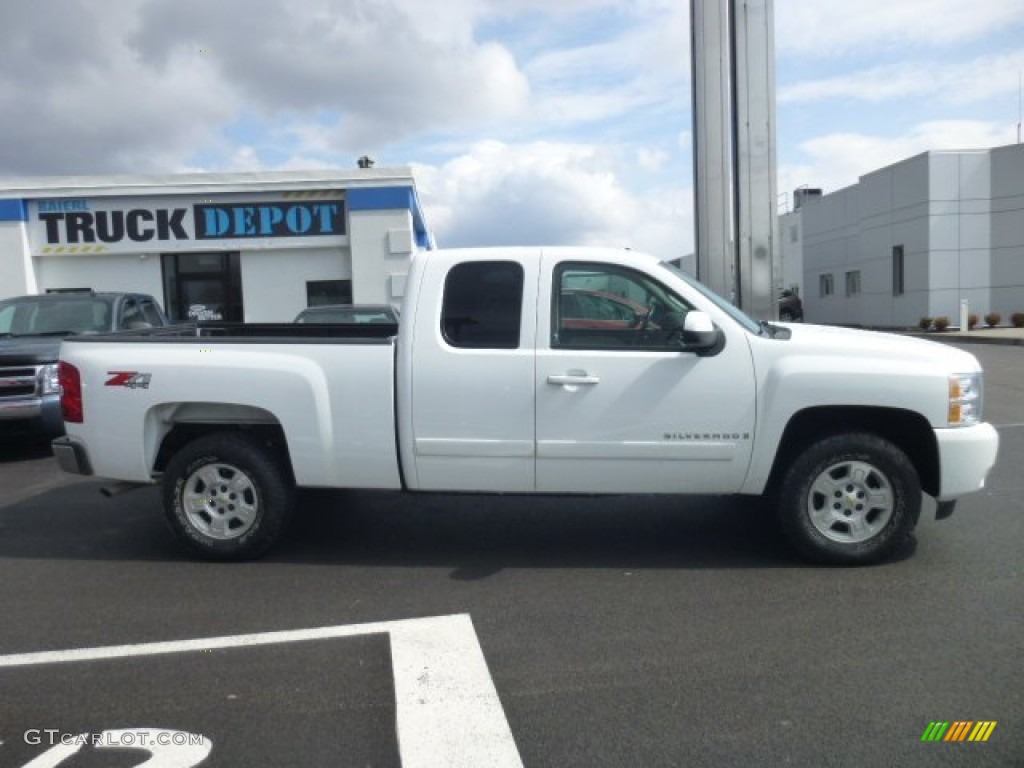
x=966, y=456
x=71, y=456
x=32, y=414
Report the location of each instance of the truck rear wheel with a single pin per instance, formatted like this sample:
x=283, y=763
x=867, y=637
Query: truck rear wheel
x=850, y=499
x=227, y=496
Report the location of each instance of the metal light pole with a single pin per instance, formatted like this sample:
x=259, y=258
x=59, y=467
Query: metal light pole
x=733, y=84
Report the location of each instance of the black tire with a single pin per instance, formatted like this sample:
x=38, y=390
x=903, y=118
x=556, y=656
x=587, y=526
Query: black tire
x=250, y=492
x=850, y=499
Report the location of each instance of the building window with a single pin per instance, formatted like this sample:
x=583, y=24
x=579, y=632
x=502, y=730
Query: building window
x=897, y=270
x=853, y=283
x=826, y=285
x=322, y=292
x=483, y=304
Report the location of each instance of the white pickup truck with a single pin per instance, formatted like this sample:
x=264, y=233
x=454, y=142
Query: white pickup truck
x=534, y=370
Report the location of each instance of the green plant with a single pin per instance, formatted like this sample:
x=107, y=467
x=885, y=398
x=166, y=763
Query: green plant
x=924, y=323
x=992, y=319
x=941, y=323
x=1017, y=319
x=972, y=320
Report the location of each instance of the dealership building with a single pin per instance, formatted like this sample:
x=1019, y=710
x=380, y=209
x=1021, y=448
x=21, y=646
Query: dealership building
x=912, y=240
x=255, y=247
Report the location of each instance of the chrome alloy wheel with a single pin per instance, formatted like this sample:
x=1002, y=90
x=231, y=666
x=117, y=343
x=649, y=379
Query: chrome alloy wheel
x=850, y=502
x=220, y=501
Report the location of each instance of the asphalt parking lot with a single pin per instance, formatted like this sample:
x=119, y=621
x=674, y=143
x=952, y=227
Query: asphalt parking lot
x=542, y=632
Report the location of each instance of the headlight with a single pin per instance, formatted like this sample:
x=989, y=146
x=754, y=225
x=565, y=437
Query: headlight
x=964, y=399
x=49, y=384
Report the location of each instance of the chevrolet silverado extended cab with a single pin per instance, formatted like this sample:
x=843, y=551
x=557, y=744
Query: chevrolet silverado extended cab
x=502, y=378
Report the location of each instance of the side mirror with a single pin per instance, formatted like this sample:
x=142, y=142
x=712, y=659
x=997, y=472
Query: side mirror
x=697, y=333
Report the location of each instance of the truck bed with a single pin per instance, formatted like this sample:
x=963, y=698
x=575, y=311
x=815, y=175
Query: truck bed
x=262, y=333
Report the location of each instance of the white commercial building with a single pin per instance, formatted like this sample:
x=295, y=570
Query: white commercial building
x=913, y=240
x=255, y=247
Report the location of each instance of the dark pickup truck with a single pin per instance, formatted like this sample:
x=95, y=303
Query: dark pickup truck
x=31, y=331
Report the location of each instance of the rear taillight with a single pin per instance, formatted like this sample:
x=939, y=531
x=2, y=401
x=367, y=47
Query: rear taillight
x=71, y=392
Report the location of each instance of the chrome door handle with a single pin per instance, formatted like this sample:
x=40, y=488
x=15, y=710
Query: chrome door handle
x=572, y=379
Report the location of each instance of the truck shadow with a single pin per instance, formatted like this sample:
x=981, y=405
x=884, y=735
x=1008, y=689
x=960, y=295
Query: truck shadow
x=479, y=535
x=474, y=535
x=14, y=449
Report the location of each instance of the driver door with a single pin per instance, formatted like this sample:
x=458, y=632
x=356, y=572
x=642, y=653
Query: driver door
x=620, y=406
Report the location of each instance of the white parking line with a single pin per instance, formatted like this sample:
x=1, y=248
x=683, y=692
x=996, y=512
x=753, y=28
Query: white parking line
x=447, y=708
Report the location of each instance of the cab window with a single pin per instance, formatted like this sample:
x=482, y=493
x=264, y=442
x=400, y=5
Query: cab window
x=483, y=302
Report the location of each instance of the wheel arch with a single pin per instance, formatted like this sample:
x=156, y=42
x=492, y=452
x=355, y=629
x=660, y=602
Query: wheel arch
x=908, y=430
x=189, y=422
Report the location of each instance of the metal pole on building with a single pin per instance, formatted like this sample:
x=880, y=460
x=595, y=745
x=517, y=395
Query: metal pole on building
x=754, y=156
x=712, y=147
x=732, y=55
x=1020, y=101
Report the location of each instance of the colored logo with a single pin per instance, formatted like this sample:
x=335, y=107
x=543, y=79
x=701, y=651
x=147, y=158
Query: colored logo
x=959, y=730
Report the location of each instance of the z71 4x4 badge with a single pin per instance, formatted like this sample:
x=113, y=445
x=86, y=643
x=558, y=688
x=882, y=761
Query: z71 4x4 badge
x=128, y=379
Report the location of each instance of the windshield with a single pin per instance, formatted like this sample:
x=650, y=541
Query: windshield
x=53, y=317
x=733, y=311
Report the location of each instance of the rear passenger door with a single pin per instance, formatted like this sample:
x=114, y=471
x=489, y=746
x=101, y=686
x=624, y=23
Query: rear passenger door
x=472, y=377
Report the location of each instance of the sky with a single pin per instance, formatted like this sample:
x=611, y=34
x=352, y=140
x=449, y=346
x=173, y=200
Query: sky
x=524, y=121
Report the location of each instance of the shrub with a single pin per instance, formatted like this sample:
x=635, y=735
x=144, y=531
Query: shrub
x=992, y=319
x=924, y=323
x=972, y=320
x=941, y=323
x=1017, y=319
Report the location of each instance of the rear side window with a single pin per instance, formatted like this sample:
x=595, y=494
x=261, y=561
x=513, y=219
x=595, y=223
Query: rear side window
x=483, y=302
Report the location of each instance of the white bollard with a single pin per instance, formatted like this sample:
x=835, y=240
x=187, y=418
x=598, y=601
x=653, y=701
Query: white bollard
x=964, y=325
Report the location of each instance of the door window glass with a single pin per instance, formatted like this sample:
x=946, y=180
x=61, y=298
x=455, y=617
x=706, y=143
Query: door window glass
x=131, y=315
x=151, y=314
x=603, y=306
x=483, y=302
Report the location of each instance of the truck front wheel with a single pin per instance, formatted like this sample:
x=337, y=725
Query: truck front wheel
x=850, y=499
x=227, y=496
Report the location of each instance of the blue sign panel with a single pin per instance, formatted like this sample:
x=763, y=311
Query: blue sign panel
x=291, y=218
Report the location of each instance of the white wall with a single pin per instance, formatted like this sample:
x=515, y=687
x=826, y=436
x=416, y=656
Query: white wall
x=274, y=281
x=102, y=272
x=16, y=275
x=1008, y=230
x=960, y=219
x=792, y=250
x=383, y=242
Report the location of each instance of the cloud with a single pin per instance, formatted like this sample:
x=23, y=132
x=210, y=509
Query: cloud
x=949, y=83
x=547, y=193
x=838, y=160
x=76, y=100
x=153, y=83
x=389, y=68
x=840, y=27
x=636, y=65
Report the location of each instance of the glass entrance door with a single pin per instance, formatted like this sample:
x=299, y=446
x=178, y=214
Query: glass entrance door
x=203, y=286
